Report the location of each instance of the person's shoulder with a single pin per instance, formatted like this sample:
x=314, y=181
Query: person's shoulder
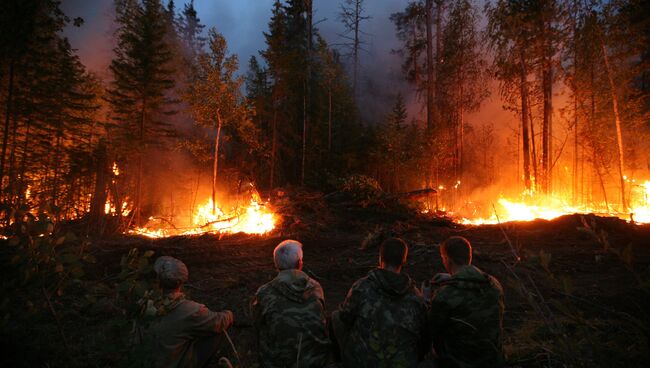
x=316, y=288
x=496, y=285
x=264, y=290
x=362, y=284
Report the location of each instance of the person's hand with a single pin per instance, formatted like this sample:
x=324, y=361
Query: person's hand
x=441, y=277
x=426, y=290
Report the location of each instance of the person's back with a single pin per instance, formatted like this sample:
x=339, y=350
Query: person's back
x=465, y=317
x=289, y=317
x=184, y=333
x=383, y=319
x=187, y=334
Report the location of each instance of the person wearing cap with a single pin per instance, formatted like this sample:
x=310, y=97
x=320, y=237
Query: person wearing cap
x=289, y=314
x=382, y=322
x=466, y=312
x=186, y=333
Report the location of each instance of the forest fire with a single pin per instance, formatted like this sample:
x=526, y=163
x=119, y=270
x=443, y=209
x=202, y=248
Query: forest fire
x=255, y=218
x=528, y=208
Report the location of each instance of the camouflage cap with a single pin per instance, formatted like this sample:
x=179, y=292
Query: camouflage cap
x=171, y=269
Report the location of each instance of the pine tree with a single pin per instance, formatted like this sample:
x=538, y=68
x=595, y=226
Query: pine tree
x=141, y=79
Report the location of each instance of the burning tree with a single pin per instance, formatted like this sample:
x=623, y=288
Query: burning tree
x=215, y=96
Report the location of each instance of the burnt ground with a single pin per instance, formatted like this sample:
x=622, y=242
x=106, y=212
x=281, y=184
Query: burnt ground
x=571, y=300
x=575, y=297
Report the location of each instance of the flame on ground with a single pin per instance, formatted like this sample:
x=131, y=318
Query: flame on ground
x=256, y=218
x=529, y=208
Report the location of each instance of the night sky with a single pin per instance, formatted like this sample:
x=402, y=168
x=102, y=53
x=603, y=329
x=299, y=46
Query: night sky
x=243, y=22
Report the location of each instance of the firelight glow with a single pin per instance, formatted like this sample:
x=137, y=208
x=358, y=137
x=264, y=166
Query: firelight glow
x=529, y=208
x=255, y=218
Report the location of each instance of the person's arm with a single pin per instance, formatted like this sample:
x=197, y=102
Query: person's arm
x=437, y=318
x=257, y=312
x=206, y=322
x=349, y=309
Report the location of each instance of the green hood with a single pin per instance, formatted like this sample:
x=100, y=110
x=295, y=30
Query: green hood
x=390, y=283
x=296, y=285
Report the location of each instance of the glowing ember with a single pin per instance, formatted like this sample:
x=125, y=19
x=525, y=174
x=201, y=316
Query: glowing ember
x=256, y=218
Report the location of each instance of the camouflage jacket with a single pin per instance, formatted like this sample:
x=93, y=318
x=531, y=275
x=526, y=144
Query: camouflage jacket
x=183, y=323
x=384, y=316
x=289, y=316
x=465, y=318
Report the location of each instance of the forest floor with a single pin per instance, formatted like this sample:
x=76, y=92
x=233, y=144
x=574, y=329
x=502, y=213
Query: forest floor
x=577, y=296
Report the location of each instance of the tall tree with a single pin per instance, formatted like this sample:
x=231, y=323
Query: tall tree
x=215, y=96
x=142, y=73
x=510, y=35
x=462, y=75
x=352, y=15
x=410, y=27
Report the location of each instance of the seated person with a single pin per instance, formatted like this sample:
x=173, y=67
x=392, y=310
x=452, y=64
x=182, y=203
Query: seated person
x=289, y=314
x=382, y=322
x=466, y=314
x=186, y=333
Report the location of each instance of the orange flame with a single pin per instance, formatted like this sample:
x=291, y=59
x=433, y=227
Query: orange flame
x=256, y=218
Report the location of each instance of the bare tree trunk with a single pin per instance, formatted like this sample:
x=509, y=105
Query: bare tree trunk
x=273, y=149
x=533, y=158
x=329, y=122
x=430, y=69
x=304, y=135
x=307, y=88
x=524, y=118
x=57, y=161
x=12, y=161
x=619, y=134
x=8, y=112
x=438, y=61
x=357, y=45
x=23, y=163
x=101, y=178
x=138, y=189
x=216, y=165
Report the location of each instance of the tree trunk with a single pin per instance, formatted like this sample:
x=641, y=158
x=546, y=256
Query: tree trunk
x=273, y=149
x=23, y=163
x=98, y=200
x=438, y=61
x=524, y=117
x=329, y=123
x=12, y=161
x=138, y=189
x=357, y=45
x=216, y=165
x=533, y=156
x=429, y=6
x=57, y=162
x=8, y=112
x=617, y=116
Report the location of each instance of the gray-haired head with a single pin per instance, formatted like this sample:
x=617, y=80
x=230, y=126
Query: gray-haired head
x=288, y=255
x=171, y=272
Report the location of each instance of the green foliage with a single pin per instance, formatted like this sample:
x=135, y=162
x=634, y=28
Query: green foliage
x=43, y=258
x=360, y=187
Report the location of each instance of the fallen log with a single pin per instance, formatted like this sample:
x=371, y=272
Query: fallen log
x=416, y=194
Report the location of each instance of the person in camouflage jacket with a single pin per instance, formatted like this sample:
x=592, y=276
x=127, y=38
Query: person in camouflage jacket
x=289, y=314
x=466, y=312
x=382, y=322
x=185, y=333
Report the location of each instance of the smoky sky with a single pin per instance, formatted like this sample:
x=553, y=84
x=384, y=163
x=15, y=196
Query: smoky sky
x=243, y=22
